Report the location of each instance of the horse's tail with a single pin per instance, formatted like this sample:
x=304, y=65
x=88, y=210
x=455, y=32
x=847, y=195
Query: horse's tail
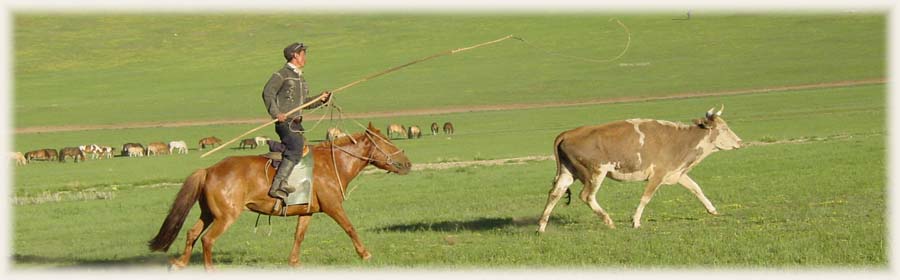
x=184, y=201
x=561, y=160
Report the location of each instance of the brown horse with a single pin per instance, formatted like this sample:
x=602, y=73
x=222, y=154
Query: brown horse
x=248, y=143
x=448, y=128
x=395, y=130
x=236, y=183
x=73, y=152
x=42, y=154
x=413, y=132
x=209, y=141
x=434, y=128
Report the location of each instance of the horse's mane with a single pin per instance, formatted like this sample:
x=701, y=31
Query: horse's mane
x=342, y=141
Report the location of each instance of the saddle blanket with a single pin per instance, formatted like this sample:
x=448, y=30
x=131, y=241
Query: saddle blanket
x=300, y=178
x=301, y=181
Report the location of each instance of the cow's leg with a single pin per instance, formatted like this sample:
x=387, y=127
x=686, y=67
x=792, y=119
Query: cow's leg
x=649, y=190
x=562, y=182
x=589, y=196
x=692, y=186
x=341, y=218
x=302, y=225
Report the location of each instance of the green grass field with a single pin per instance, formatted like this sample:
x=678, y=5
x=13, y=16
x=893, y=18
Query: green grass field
x=809, y=192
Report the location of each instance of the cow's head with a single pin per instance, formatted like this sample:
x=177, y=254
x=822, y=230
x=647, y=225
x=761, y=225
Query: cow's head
x=724, y=138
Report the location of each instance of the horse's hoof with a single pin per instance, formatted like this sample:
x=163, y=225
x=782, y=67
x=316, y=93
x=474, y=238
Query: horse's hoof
x=174, y=267
x=366, y=256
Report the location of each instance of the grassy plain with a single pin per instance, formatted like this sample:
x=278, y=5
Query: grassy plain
x=817, y=203
x=809, y=194
x=208, y=67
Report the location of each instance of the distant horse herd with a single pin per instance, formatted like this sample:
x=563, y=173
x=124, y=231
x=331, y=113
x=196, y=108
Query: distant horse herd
x=395, y=131
x=94, y=151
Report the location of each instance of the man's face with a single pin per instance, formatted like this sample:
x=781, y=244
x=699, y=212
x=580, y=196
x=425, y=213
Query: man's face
x=300, y=58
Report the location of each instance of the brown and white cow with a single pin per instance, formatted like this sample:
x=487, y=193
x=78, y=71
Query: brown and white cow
x=659, y=152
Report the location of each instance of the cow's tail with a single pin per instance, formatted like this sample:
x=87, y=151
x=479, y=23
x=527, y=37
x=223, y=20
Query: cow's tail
x=562, y=161
x=184, y=201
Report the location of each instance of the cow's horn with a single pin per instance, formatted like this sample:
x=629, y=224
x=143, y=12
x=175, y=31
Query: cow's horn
x=710, y=113
x=720, y=110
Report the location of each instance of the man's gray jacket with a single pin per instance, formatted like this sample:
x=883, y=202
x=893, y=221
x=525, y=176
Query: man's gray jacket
x=285, y=91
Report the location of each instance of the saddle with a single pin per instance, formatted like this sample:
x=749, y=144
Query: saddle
x=275, y=150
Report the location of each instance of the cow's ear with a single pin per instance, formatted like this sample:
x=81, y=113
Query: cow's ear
x=701, y=123
x=705, y=123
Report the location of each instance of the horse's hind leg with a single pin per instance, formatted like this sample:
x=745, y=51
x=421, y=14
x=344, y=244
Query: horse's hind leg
x=341, y=218
x=209, y=239
x=202, y=224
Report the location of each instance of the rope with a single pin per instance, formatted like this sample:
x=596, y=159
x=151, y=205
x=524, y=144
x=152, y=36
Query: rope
x=395, y=68
x=624, y=50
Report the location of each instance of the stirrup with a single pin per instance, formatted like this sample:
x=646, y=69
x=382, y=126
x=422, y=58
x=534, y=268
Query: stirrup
x=280, y=207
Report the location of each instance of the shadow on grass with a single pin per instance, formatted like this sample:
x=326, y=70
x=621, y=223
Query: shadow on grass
x=154, y=261
x=138, y=262
x=481, y=224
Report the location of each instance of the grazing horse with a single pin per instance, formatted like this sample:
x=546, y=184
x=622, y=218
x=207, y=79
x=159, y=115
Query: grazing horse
x=36, y=155
x=249, y=142
x=395, y=130
x=106, y=151
x=414, y=132
x=434, y=128
x=334, y=133
x=73, y=152
x=135, y=151
x=20, y=159
x=209, y=141
x=260, y=140
x=92, y=149
x=126, y=148
x=179, y=145
x=42, y=154
x=448, y=128
x=236, y=183
x=157, y=148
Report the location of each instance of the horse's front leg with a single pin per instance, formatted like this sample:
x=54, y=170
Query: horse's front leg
x=302, y=225
x=341, y=218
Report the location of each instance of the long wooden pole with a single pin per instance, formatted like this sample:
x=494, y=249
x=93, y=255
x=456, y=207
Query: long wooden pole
x=317, y=99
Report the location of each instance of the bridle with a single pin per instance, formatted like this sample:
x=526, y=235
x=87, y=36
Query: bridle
x=368, y=158
x=389, y=157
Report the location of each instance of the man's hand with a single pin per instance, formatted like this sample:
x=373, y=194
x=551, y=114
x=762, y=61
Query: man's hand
x=326, y=96
x=281, y=117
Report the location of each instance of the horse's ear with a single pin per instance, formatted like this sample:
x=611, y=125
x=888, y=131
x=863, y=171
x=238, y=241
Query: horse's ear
x=372, y=128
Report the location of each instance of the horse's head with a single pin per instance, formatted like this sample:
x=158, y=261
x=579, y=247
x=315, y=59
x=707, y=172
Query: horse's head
x=386, y=155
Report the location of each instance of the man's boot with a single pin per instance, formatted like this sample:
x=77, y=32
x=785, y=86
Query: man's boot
x=280, y=188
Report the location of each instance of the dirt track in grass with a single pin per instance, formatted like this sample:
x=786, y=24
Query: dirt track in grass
x=451, y=110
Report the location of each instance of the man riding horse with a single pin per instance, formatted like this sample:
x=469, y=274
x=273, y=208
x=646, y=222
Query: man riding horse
x=286, y=90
